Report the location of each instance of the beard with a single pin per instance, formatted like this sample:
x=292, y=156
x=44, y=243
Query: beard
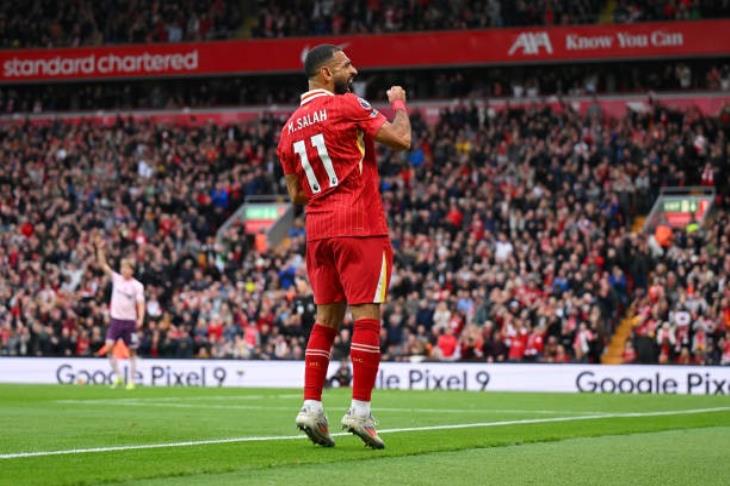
x=343, y=86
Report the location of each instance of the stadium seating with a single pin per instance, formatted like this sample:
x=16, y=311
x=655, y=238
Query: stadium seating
x=627, y=11
x=512, y=233
x=493, y=82
x=53, y=24
x=281, y=19
x=71, y=24
x=684, y=317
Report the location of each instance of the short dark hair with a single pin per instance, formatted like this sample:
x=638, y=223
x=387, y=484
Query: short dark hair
x=317, y=56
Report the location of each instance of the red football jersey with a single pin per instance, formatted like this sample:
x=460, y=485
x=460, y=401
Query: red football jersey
x=328, y=143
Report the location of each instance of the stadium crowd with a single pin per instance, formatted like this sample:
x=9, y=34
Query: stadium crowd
x=685, y=315
x=157, y=193
x=325, y=17
x=629, y=11
x=511, y=230
x=494, y=82
x=50, y=23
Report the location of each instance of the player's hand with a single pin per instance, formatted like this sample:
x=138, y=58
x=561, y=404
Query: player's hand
x=396, y=93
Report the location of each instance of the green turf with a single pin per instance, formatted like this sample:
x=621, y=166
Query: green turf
x=670, y=449
x=648, y=458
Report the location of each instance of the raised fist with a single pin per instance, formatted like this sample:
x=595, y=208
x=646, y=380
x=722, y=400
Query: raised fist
x=396, y=93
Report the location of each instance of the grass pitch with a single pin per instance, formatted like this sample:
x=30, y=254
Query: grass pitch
x=154, y=436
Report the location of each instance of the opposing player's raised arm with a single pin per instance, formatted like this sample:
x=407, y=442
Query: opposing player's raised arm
x=396, y=135
x=101, y=256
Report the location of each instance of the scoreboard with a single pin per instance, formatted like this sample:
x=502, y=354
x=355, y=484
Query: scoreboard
x=678, y=207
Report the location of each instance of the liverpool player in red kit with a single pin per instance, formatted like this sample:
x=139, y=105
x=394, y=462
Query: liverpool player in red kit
x=327, y=152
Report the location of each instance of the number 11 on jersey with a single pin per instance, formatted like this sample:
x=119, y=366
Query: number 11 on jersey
x=317, y=142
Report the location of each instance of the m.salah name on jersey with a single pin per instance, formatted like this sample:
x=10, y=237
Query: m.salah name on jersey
x=307, y=120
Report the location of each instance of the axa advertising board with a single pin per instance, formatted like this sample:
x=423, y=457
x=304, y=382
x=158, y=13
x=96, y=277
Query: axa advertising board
x=477, y=377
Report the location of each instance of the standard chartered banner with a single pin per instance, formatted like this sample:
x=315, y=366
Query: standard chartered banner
x=568, y=378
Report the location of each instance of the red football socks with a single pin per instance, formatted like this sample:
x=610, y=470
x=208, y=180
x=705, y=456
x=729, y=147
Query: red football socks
x=316, y=360
x=365, y=356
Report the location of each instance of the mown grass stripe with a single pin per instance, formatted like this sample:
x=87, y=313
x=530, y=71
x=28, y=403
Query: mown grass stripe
x=21, y=455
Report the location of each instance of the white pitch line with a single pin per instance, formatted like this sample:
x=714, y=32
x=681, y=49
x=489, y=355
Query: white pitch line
x=176, y=399
x=157, y=403
x=225, y=397
x=484, y=410
x=191, y=443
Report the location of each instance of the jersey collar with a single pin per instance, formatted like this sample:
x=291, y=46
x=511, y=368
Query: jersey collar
x=312, y=94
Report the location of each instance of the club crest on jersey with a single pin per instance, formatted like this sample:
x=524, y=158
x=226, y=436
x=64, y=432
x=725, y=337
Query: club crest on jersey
x=367, y=106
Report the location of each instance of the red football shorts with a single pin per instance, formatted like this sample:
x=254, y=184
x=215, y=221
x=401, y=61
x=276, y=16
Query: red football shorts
x=355, y=270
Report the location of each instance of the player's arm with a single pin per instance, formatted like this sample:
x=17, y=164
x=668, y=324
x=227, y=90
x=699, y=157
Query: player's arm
x=101, y=256
x=396, y=134
x=296, y=193
x=140, y=310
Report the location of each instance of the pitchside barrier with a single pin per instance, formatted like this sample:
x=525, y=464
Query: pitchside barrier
x=570, y=378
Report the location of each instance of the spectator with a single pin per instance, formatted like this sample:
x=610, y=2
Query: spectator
x=474, y=82
x=515, y=181
x=85, y=22
x=687, y=313
x=446, y=346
